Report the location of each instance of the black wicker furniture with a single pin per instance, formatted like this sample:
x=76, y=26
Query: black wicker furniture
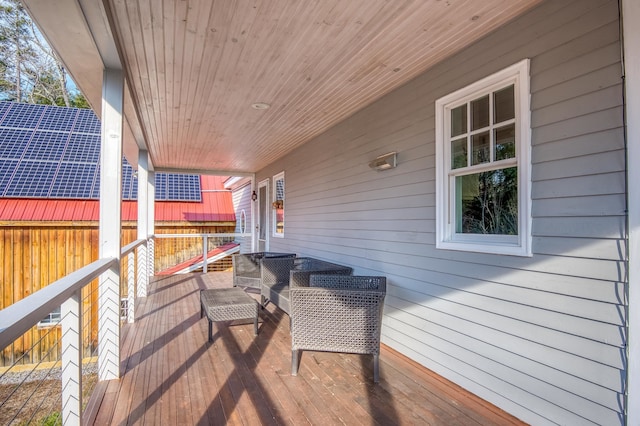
x=337, y=313
x=246, y=267
x=228, y=304
x=277, y=273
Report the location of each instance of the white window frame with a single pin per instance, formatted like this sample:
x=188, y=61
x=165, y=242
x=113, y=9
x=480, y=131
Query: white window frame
x=243, y=221
x=274, y=197
x=446, y=237
x=51, y=320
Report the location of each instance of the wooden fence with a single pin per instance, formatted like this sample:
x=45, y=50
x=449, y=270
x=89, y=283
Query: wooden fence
x=36, y=254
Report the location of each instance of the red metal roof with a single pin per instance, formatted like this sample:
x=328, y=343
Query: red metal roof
x=216, y=206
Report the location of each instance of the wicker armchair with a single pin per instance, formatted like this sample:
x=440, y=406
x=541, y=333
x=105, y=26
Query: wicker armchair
x=337, y=313
x=246, y=267
x=278, y=273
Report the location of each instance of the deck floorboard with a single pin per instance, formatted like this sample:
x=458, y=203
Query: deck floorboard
x=171, y=374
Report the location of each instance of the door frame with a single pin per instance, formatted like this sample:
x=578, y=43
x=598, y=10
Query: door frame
x=262, y=215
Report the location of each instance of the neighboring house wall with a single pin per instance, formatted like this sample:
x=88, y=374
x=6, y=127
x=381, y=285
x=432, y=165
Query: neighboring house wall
x=242, y=203
x=542, y=337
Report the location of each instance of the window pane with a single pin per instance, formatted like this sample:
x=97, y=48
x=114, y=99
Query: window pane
x=480, y=113
x=459, y=120
x=481, y=146
x=459, y=153
x=504, y=105
x=487, y=202
x=278, y=205
x=505, y=138
x=279, y=221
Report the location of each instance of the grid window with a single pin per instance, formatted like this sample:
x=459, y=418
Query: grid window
x=278, y=205
x=482, y=161
x=52, y=319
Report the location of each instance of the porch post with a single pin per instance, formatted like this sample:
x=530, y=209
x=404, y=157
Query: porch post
x=151, y=220
x=631, y=45
x=143, y=220
x=110, y=224
x=71, y=313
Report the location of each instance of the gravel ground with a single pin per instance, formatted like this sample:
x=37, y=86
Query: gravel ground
x=33, y=397
x=42, y=374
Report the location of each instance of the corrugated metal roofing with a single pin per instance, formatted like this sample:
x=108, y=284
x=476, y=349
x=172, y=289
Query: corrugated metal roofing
x=216, y=206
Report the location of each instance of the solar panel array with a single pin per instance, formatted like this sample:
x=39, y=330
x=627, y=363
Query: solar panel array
x=54, y=152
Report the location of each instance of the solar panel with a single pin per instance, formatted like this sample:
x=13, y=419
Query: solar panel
x=87, y=122
x=4, y=107
x=23, y=116
x=46, y=146
x=82, y=148
x=7, y=167
x=127, y=180
x=13, y=143
x=73, y=181
x=31, y=179
x=58, y=118
x=161, y=186
x=60, y=158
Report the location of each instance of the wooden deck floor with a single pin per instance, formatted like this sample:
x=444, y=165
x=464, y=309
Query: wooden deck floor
x=172, y=375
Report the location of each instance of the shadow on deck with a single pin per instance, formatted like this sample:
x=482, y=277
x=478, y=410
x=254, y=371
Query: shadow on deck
x=172, y=375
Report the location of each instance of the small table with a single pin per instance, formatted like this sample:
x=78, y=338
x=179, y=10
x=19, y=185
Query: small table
x=228, y=304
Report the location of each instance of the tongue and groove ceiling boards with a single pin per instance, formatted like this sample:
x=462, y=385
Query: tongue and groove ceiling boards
x=195, y=68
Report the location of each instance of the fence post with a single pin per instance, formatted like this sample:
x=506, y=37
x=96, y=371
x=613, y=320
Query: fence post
x=71, y=313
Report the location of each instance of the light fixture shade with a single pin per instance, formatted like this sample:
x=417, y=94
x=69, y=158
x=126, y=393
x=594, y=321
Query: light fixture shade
x=384, y=162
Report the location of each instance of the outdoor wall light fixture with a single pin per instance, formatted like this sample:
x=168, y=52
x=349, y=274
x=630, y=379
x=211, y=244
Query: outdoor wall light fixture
x=254, y=196
x=384, y=162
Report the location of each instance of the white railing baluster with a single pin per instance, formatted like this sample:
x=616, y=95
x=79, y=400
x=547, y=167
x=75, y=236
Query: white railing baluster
x=142, y=263
x=151, y=255
x=71, y=313
x=205, y=246
x=131, y=286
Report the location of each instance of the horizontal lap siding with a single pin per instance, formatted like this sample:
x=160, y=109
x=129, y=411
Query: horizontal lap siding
x=541, y=337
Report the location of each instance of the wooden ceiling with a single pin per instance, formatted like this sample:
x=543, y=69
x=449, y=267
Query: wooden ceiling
x=195, y=67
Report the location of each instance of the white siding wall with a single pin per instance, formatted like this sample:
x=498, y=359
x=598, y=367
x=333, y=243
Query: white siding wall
x=242, y=201
x=541, y=337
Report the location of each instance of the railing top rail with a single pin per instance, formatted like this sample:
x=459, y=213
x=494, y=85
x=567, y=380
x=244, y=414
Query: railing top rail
x=18, y=318
x=131, y=247
x=229, y=234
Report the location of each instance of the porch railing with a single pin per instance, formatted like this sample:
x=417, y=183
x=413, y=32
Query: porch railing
x=26, y=404
x=137, y=260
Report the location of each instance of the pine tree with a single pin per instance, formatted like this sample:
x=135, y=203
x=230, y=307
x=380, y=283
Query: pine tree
x=30, y=71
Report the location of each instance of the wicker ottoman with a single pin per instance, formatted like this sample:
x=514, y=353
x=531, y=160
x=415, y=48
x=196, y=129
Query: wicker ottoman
x=228, y=304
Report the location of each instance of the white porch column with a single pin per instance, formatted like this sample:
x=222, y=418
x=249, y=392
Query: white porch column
x=110, y=224
x=631, y=37
x=151, y=219
x=143, y=220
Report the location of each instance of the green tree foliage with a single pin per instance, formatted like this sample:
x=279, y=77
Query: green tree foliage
x=30, y=71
